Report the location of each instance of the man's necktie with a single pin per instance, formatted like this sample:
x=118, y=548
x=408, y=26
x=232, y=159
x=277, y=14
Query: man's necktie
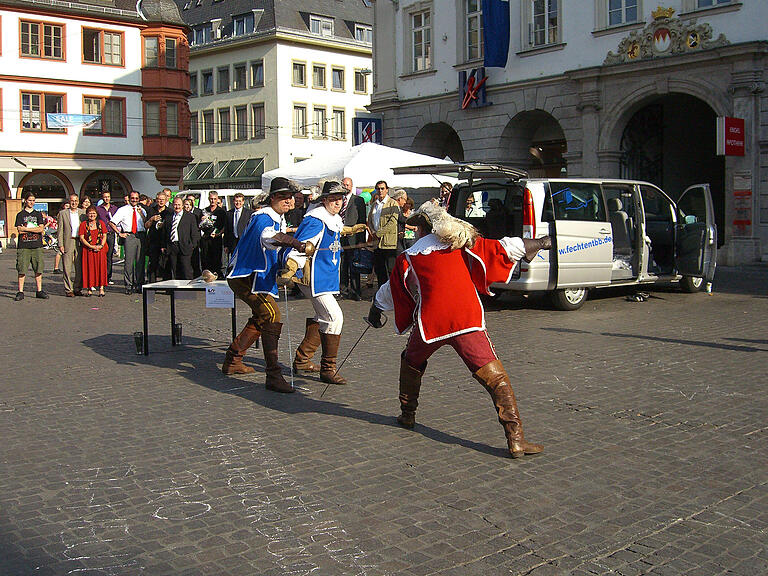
x=237, y=219
x=134, y=223
x=175, y=228
x=343, y=210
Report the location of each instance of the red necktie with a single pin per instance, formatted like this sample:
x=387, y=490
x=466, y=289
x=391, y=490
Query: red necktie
x=134, y=224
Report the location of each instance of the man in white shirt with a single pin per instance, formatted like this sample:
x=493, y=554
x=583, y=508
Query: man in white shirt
x=68, y=226
x=128, y=224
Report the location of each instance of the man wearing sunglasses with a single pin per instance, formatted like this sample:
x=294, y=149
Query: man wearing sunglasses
x=382, y=224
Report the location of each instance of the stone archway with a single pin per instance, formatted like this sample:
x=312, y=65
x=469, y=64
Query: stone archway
x=50, y=186
x=534, y=141
x=105, y=181
x=438, y=139
x=670, y=141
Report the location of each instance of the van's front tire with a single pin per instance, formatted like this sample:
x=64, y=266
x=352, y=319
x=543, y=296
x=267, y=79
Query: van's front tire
x=691, y=283
x=569, y=298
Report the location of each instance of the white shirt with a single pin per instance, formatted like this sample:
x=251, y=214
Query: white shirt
x=124, y=216
x=236, y=220
x=74, y=220
x=175, y=226
x=376, y=214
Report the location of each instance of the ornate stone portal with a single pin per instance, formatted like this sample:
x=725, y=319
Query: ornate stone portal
x=665, y=36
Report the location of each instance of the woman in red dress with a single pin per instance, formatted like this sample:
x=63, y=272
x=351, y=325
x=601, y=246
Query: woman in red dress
x=93, y=237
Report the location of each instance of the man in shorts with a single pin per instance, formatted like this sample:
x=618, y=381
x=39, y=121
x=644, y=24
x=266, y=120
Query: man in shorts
x=30, y=224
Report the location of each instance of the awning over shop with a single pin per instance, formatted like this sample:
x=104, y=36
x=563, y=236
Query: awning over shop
x=29, y=163
x=225, y=173
x=11, y=164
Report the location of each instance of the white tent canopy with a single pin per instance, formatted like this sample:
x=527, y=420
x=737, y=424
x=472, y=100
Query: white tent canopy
x=364, y=164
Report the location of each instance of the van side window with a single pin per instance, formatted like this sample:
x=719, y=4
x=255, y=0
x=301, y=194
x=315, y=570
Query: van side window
x=577, y=201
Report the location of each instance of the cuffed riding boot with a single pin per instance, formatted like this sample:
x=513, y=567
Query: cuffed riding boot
x=532, y=247
x=233, y=362
x=328, y=373
x=494, y=379
x=410, y=384
x=270, y=336
x=302, y=362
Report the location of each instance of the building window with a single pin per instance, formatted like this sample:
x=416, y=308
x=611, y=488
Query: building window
x=151, y=52
x=321, y=25
x=152, y=118
x=299, y=121
x=170, y=53
x=474, y=29
x=361, y=82
x=102, y=47
x=193, y=129
x=31, y=117
x=202, y=34
x=320, y=122
x=338, y=78
x=622, y=12
x=208, y=131
x=257, y=120
x=238, y=80
x=243, y=24
x=172, y=119
x=257, y=74
x=241, y=123
x=421, y=37
x=543, y=22
x=364, y=33
x=710, y=3
x=318, y=76
x=112, y=112
x=223, y=82
x=193, y=84
x=207, y=81
x=299, y=74
x=41, y=40
x=339, y=124
x=225, y=131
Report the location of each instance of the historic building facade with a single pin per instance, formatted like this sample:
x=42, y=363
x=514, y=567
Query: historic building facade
x=629, y=89
x=93, y=96
x=273, y=82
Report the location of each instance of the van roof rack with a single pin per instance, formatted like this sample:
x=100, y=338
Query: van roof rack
x=465, y=170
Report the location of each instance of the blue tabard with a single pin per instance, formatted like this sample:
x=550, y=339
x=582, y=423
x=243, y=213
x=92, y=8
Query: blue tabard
x=327, y=260
x=251, y=257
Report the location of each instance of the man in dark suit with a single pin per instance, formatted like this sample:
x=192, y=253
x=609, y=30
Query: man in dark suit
x=352, y=212
x=198, y=214
x=181, y=236
x=236, y=223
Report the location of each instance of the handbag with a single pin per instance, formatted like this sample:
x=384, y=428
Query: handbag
x=362, y=260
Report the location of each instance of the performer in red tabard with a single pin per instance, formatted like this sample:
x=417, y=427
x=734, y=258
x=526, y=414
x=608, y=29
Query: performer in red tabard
x=435, y=290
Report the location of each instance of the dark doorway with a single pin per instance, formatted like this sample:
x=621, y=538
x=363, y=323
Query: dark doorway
x=438, y=140
x=670, y=142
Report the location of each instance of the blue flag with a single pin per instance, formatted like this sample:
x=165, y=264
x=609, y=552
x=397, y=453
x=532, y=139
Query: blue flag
x=496, y=32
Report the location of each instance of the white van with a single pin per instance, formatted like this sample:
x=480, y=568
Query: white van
x=604, y=232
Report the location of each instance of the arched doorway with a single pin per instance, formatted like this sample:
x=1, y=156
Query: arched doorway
x=48, y=186
x=439, y=140
x=4, y=216
x=534, y=141
x=113, y=182
x=670, y=141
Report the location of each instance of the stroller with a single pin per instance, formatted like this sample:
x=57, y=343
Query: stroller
x=50, y=239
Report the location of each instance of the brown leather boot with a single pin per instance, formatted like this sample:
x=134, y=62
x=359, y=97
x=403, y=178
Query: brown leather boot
x=410, y=384
x=233, y=362
x=532, y=247
x=328, y=373
x=494, y=378
x=270, y=336
x=302, y=362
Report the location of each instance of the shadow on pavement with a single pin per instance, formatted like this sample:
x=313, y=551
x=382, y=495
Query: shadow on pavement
x=199, y=362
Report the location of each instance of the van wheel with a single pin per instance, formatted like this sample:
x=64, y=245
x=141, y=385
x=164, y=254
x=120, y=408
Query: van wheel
x=569, y=298
x=691, y=283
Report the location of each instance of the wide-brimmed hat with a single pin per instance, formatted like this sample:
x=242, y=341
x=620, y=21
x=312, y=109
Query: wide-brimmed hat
x=284, y=186
x=332, y=188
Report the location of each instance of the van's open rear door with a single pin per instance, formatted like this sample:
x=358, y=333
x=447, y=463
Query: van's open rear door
x=696, y=234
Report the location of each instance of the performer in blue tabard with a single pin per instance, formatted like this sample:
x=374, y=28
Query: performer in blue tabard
x=318, y=279
x=253, y=269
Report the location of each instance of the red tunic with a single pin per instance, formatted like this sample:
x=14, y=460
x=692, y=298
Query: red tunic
x=94, y=263
x=446, y=300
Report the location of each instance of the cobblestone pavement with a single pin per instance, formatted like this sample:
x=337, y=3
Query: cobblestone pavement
x=652, y=414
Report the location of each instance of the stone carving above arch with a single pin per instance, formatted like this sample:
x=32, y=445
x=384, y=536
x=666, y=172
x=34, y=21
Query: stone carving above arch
x=665, y=36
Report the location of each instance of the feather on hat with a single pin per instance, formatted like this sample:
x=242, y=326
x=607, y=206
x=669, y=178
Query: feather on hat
x=447, y=229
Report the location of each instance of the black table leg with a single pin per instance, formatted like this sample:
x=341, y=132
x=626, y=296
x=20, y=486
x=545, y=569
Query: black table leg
x=145, y=337
x=173, y=317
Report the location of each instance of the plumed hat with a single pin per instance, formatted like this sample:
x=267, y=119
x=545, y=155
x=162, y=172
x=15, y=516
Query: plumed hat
x=331, y=187
x=449, y=230
x=282, y=185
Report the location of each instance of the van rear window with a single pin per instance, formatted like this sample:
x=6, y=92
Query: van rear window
x=577, y=201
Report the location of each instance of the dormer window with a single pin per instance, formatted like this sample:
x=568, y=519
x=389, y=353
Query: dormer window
x=364, y=33
x=202, y=34
x=243, y=24
x=321, y=25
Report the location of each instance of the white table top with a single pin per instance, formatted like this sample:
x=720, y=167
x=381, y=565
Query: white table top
x=184, y=285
